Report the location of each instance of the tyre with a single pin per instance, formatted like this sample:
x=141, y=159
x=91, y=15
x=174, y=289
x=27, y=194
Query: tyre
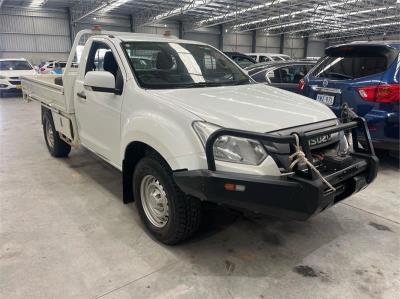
x=56, y=146
x=169, y=214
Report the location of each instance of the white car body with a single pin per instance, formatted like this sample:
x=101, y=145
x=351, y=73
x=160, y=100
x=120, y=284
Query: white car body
x=107, y=129
x=225, y=139
x=267, y=57
x=10, y=79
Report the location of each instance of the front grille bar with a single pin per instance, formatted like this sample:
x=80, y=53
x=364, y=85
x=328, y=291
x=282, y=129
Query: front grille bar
x=355, y=126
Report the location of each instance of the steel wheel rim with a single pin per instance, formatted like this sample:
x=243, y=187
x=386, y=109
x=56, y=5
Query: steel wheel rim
x=49, y=134
x=154, y=201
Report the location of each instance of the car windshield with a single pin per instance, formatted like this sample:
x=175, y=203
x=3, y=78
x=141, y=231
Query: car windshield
x=162, y=65
x=14, y=65
x=276, y=58
x=243, y=61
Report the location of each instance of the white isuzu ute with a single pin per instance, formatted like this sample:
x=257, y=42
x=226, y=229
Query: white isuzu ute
x=185, y=125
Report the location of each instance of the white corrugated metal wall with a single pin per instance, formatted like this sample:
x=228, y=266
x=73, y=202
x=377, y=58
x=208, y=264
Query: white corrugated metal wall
x=171, y=28
x=208, y=35
x=316, y=48
x=110, y=23
x=45, y=34
x=36, y=35
x=238, y=42
x=294, y=47
x=267, y=44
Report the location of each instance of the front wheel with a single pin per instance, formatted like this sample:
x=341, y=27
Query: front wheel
x=169, y=214
x=56, y=146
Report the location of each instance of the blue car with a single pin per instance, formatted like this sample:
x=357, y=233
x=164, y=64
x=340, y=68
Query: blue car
x=365, y=75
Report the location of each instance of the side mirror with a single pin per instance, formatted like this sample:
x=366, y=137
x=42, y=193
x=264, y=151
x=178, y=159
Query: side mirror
x=100, y=81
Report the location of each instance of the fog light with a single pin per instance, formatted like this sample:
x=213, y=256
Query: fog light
x=234, y=187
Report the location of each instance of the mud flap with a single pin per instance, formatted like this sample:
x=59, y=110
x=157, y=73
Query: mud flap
x=127, y=184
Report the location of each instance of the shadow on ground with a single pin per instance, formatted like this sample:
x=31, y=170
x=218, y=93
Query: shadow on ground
x=228, y=242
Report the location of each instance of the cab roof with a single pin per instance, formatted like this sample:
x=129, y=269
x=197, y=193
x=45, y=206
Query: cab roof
x=133, y=37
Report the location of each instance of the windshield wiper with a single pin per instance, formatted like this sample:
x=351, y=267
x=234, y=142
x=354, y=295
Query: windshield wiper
x=241, y=82
x=202, y=84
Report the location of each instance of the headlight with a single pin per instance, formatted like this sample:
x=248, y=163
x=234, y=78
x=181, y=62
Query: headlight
x=231, y=149
x=3, y=77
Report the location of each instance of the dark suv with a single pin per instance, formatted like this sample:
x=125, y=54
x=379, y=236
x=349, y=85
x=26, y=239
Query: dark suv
x=366, y=76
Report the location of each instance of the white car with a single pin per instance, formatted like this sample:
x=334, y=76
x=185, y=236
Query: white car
x=267, y=57
x=10, y=72
x=49, y=66
x=190, y=126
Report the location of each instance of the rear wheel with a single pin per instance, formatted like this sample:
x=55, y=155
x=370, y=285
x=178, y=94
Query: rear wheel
x=169, y=214
x=56, y=146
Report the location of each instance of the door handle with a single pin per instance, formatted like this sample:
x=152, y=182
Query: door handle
x=81, y=95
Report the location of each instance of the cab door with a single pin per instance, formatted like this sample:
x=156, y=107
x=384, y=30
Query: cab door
x=99, y=111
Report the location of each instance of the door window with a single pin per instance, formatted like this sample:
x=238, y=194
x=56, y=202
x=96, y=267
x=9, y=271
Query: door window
x=243, y=61
x=297, y=72
x=265, y=59
x=101, y=58
x=274, y=76
x=288, y=74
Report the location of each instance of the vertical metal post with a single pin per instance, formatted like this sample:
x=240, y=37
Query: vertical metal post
x=180, y=25
x=282, y=40
x=132, y=23
x=305, y=53
x=71, y=26
x=221, y=37
x=254, y=41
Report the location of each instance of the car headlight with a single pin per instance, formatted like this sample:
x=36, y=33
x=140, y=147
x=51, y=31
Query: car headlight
x=229, y=148
x=3, y=77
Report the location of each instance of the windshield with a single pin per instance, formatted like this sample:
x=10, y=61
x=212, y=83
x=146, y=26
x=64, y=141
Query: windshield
x=161, y=65
x=276, y=58
x=14, y=65
x=243, y=61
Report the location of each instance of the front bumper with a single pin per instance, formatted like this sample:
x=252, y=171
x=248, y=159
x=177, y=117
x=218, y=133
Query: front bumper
x=297, y=195
x=10, y=85
x=291, y=197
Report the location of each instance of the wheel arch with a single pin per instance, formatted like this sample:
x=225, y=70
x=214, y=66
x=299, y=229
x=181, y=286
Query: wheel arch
x=134, y=152
x=44, y=111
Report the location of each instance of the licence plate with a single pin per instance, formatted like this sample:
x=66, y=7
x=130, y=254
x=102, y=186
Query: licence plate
x=19, y=86
x=326, y=99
